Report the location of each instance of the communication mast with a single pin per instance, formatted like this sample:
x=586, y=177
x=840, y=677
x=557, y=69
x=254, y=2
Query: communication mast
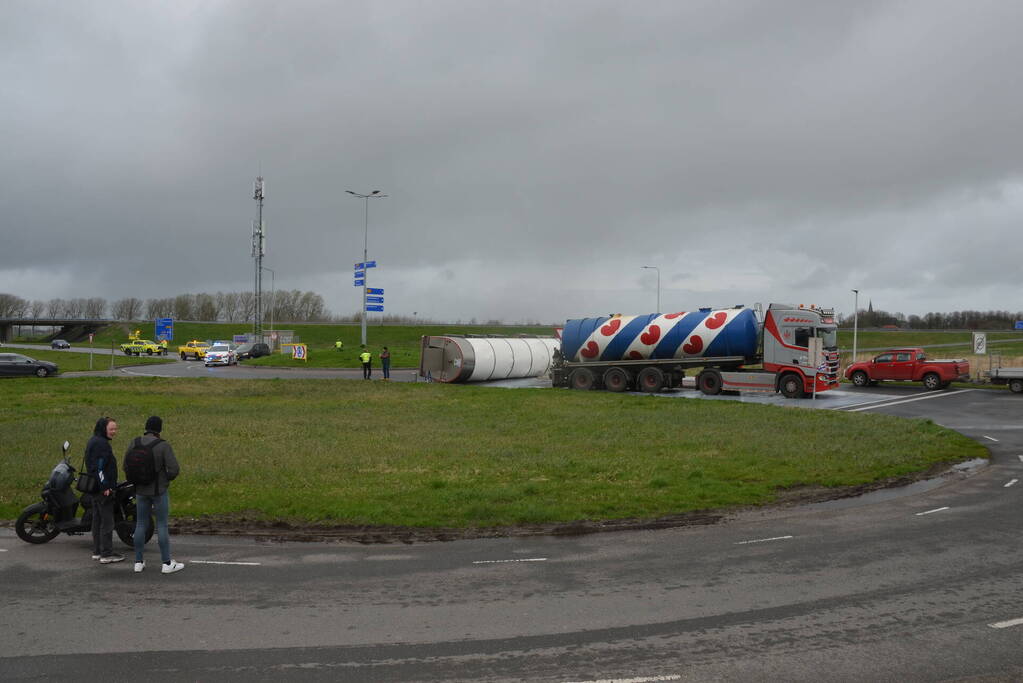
x=258, y=251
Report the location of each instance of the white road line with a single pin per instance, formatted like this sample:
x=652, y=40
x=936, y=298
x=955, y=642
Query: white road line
x=764, y=540
x=3, y=550
x=931, y=511
x=645, y=679
x=1021, y=458
x=991, y=438
x=1006, y=624
x=243, y=564
x=528, y=559
x=910, y=400
x=1011, y=482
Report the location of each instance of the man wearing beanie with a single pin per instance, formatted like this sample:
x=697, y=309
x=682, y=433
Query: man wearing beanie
x=152, y=497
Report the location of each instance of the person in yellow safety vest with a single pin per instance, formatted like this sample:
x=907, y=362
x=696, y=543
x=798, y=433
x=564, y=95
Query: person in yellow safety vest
x=367, y=360
x=339, y=345
x=163, y=343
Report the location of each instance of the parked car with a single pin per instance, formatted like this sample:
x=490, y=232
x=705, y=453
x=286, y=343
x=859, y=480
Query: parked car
x=15, y=364
x=59, y=344
x=220, y=354
x=252, y=350
x=910, y=365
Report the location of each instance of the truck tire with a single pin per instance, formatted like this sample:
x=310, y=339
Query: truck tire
x=582, y=379
x=1016, y=386
x=860, y=379
x=791, y=386
x=932, y=382
x=709, y=382
x=182, y=354
x=616, y=379
x=650, y=380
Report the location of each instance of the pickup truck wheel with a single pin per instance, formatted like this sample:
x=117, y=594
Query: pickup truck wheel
x=709, y=382
x=860, y=379
x=616, y=379
x=183, y=356
x=1016, y=386
x=582, y=378
x=791, y=386
x=149, y=352
x=650, y=380
x=932, y=382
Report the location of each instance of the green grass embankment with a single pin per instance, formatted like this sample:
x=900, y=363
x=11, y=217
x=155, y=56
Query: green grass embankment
x=73, y=361
x=436, y=455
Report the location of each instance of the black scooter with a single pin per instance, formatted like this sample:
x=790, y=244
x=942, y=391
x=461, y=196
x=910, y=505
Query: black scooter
x=42, y=522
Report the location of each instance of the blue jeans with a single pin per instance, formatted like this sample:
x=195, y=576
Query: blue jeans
x=144, y=506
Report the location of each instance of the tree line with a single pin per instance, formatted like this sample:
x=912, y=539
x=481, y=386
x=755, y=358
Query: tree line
x=956, y=320
x=233, y=307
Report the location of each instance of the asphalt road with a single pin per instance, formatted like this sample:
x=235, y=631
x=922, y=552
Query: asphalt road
x=922, y=585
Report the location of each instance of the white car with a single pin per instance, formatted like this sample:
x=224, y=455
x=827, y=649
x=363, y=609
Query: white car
x=220, y=354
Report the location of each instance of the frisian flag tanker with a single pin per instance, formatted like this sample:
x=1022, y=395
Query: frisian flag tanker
x=706, y=332
x=792, y=350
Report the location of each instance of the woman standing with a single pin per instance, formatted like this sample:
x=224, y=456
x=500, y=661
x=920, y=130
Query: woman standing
x=101, y=463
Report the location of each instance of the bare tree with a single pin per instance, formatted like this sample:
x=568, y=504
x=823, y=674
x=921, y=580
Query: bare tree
x=246, y=306
x=55, y=308
x=205, y=308
x=229, y=306
x=38, y=307
x=184, y=307
x=73, y=308
x=12, y=306
x=95, y=307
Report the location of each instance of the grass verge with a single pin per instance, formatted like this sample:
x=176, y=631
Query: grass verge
x=72, y=361
x=433, y=455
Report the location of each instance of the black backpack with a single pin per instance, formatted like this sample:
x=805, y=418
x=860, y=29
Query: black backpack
x=139, y=462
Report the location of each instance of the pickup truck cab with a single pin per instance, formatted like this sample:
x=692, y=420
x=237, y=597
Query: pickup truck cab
x=908, y=365
x=193, y=349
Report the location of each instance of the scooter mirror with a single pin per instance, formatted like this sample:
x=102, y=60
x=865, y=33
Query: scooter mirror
x=67, y=445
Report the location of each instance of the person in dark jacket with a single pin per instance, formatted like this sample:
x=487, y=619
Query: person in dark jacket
x=154, y=497
x=101, y=463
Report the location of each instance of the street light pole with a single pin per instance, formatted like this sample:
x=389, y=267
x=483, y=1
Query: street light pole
x=856, y=314
x=375, y=194
x=658, y=285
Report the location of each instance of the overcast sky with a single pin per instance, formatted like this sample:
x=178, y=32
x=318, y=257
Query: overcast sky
x=535, y=154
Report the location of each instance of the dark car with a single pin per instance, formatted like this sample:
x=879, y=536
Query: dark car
x=252, y=350
x=14, y=364
x=60, y=344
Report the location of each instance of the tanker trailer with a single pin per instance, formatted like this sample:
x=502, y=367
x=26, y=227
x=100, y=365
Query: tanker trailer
x=796, y=347
x=479, y=358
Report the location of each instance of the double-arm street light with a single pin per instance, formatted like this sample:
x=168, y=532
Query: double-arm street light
x=658, y=285
x=375, y=194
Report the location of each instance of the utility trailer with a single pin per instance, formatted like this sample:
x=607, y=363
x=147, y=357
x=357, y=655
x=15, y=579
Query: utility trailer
x=1011, y=376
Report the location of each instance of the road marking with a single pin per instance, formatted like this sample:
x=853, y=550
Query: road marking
x=243, y=564
x=764, y=540
x=3, y=550
x=991, y=438
x=931, y=511
x=645, y=679
x=910, y=400
x=528, y=559
x=1011, y=482
x=1006, y=624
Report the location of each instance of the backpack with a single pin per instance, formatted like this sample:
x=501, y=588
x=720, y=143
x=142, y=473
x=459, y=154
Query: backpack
x=140, y=463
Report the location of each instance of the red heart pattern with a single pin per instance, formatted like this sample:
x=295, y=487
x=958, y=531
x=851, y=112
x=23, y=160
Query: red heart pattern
x=635, y=355
x=672, y=316
x=591, y=350
x=651, y=335
x=694, y=345
x=611, y=327
x=715, y=321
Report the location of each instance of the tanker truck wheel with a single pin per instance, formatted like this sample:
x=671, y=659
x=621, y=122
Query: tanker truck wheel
x=650, y=380
x=616, y=379
x=709, y=382
x=1016, y=386
x=582, y=378
x=791, y=386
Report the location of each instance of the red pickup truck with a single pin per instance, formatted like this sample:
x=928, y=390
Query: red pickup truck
x=909, y=365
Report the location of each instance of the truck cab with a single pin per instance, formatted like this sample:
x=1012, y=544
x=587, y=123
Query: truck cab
x=800, y=346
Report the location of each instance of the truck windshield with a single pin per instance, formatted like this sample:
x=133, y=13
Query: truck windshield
x=829, y=335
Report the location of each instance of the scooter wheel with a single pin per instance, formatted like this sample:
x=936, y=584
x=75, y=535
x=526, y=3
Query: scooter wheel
x=33, y=527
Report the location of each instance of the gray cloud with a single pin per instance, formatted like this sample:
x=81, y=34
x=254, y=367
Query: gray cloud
x=535, y=154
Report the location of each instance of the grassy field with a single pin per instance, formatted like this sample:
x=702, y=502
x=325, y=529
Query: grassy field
x=72, y=361
x=460, y=456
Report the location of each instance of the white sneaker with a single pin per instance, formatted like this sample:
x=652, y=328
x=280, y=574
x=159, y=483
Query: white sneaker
x=172, y=567
x=96, y=556
x=139, y=566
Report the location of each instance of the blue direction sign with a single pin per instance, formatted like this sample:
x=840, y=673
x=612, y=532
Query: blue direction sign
x=360, y=266
x=367, y=264
x=1019, y=324
x=377, y=307
x=360, y=273
x=359, y=283
x=371, y=264
x=374, y=299
x=374, y=290
x=164, y=329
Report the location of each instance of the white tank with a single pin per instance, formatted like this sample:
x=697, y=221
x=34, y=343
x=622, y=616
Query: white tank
x=456, y=358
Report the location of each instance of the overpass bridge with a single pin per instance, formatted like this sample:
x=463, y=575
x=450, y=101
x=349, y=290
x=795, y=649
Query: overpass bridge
x=72, y=329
